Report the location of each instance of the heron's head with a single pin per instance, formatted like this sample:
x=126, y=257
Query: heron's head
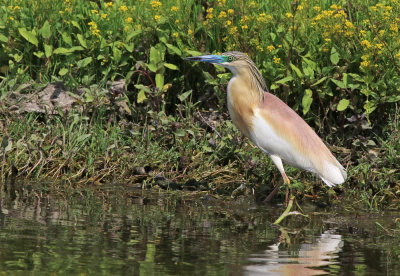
x=233, y=61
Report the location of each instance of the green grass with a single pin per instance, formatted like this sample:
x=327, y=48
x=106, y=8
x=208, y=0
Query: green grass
x=335, y=63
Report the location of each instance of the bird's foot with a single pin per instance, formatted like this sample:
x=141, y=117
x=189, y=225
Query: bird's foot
x=287, y=212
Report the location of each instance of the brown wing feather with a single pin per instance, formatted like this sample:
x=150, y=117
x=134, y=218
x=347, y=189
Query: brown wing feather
x=291, y=127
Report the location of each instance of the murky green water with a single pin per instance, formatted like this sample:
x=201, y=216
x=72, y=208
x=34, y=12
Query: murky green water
x=117, y=231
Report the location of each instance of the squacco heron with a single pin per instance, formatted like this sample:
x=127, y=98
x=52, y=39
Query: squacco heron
x=271, y=124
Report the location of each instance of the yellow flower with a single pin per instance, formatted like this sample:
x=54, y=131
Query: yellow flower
x=174, y=8
x=190, y=32
x=126, y=28
x=233, y=30
x=245, y=27
x=366, y=44
x=335, y=7
x=327, y=40
x=68, y=9
x=109, y=4
x=157, y=17
x=175, y=34
x=398, y=55
x=104, y=15
x=128, y=20
x=228, y=23
x=289, y=15
x=262, y=17
x=381, y=32
x=231, y=11
x=10, y=18
x=155, y=4
x=95, y=12
x=277, y=60
x=365, y=63
x=299, y=7
x=316, y=8
x=17, y=8
x=222, y=15
x=209, y=13
x=270, y=48
x=244, y=19
x=177, y=21
x=123, y=8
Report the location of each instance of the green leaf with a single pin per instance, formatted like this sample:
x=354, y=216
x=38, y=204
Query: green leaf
x=334, y=56
x=307, y=100
x=67, y=38
x=18, y=57
x=29, y=36
x=133, y=34
x=76, y=24
x=141, y=97
x=45, y=30
x=117, y=54
x=339, y=83
x=142, y=87
x=297, y=70
x=81, y=40
x=319, y=81
x=173, y=49
x=48, y=49
x=159, y=81
x=63, y=71
x=171, y=66
x=182, y=97
x=343, y=104
x=129, y=47
x=154, y=55
x=62, y=51
x=345, y=79
x=76, y=48
x=284, y=80
x=274, y=86
x=3, y=38
x=84, y=62
x=39, y=54
x=193, y=53
x=152, y=67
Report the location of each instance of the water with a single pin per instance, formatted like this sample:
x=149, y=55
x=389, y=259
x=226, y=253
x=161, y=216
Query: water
x=119, y=231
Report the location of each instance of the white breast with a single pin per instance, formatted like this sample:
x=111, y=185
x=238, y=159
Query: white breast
x=266, y=138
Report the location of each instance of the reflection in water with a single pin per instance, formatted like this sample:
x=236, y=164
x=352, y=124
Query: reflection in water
x=118, y=231
x=321, y=252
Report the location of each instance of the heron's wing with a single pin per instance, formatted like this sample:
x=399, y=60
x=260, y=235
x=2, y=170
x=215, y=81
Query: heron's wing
x=278, y=130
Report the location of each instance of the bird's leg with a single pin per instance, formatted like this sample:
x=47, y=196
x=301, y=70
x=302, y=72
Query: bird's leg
x=287, y=182
x=278, y=163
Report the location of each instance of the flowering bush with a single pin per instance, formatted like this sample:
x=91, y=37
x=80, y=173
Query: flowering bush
x=325, y=58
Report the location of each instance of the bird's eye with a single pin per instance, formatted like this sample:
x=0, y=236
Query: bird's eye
x=231, y=58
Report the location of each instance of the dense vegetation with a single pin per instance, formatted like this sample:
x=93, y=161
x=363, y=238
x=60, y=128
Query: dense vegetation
x=337, y=63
